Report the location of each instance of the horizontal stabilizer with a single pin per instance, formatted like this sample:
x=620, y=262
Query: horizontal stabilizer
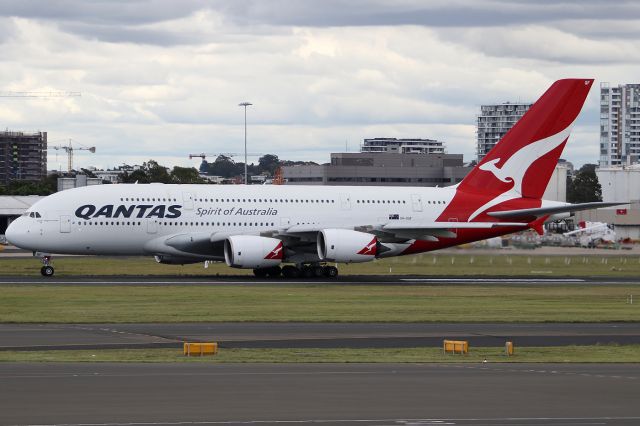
x=543, y=211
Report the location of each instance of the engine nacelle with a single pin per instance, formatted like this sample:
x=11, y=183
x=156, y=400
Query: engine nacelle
x=343, y=245
x=251, y=251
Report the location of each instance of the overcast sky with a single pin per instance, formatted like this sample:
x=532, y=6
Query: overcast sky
x=162, y=79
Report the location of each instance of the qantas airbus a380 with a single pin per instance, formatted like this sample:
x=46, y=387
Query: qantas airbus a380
x=303, y=227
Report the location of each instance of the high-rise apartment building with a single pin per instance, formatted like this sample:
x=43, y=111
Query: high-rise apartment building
x=619, y=124
x=494, y=122
x=23, y=156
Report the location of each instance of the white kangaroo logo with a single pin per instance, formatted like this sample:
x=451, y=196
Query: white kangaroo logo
x=275, y=252
x=369, y=248
x=514, y=169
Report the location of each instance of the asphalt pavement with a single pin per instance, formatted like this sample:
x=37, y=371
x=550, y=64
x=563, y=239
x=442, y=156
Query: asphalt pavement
x=310, y=335
x=349, y=394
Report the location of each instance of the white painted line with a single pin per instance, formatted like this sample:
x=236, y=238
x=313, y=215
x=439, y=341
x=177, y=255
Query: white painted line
x=398, y=421
x=180, y=282
x=497, y=280
x=177, y=281
x=197, y=374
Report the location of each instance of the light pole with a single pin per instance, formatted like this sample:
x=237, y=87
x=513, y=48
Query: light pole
x=245, y=105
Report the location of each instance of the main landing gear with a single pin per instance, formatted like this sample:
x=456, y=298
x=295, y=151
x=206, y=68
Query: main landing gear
x=302, y=271
x=47, y=270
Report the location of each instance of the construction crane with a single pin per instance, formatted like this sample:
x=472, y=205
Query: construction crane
x=69, y=149
x=226, y=154
x=41, y=94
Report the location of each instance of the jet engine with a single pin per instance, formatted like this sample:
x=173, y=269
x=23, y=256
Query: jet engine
x=343, y=245
x=252, y=252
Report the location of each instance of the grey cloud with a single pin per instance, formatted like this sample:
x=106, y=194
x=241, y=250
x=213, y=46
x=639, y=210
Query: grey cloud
x=7, y=29
x=115, y=21
x=538, y=42
x=119, y=20
x=117, y=12
x=114, y=34
x=460, y=13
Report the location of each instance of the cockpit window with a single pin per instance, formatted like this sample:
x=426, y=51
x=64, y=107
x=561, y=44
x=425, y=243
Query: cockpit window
x=38, y=214
x=31, y=214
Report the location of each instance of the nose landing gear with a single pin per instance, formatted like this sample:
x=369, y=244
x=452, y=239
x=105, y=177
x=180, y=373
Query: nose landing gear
x=47, y=270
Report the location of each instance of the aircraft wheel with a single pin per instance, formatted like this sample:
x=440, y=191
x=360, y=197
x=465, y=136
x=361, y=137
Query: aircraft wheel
x=318, y=271
x=307, y=271
x=289, y=271
x=47, y=271
x=260, y=272
x=274, y=272
x=330, y=271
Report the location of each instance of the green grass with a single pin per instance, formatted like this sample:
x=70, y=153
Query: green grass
x=422, y=264
x=316, y=303
x=561, y=354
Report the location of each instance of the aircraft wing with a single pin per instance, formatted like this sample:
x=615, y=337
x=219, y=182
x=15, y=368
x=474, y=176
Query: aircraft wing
x=402, y=231
x=430, y=231
x=545, y=211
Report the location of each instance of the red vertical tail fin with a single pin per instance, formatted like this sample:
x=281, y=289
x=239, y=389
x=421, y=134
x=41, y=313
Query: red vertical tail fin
x=526, y=156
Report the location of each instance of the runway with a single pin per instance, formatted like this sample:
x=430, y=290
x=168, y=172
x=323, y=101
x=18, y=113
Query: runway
x=341, y=394
x=246, y=280
x=310, y=335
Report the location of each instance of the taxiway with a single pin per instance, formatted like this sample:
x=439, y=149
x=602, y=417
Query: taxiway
x=310, y=335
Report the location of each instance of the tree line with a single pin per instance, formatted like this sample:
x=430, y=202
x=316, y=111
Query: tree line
x=226, y=167
x=153, y=172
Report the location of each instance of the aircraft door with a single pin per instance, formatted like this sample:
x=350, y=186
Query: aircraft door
x=65, y=224
x=416, y=202
x=345, y=201
x=187, y=200
x=152, y=226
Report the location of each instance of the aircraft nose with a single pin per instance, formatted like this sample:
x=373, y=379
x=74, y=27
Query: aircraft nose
x=14, y=234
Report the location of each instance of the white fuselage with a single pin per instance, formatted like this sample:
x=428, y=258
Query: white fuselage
x=80, y=221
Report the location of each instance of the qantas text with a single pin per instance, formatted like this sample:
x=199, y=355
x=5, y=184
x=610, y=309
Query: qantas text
x=89, y=211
